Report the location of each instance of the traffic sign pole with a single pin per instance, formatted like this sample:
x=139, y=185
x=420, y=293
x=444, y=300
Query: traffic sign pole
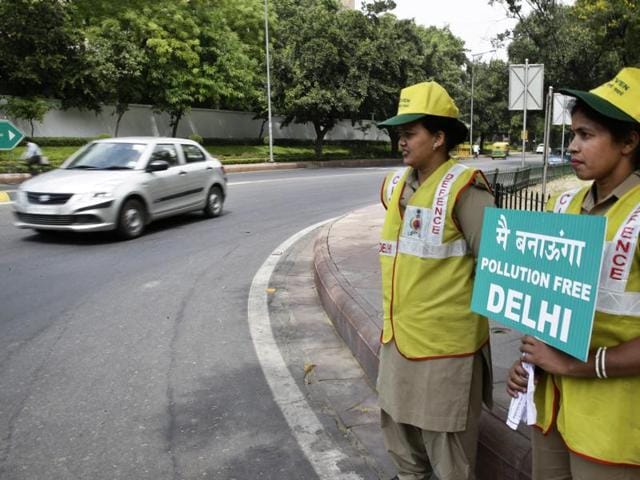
x=524, y=108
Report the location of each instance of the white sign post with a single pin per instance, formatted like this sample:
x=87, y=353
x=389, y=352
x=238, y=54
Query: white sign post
x=526, y=84
x=561, y=115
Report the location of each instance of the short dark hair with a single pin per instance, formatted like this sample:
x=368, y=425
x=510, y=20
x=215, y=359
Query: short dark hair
x=454, y=132
x=619, y=129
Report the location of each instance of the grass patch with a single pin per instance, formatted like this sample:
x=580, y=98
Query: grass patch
x=10, y=161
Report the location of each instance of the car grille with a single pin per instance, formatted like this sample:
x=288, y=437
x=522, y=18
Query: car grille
x=48, y=198
x=45, y=219
x=57, y=220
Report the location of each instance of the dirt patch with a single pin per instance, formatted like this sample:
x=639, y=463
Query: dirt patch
x=561, y=184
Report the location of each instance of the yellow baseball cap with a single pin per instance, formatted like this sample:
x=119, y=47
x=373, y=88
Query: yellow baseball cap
x=422, y=99
x=618, y=99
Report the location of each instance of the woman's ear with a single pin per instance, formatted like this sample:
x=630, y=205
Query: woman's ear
x=631, y=142
x=438, y=139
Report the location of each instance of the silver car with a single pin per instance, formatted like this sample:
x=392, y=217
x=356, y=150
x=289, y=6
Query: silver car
x=123, y=184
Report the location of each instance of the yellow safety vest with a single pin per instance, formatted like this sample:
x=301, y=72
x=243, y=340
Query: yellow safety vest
x=427, y=271
x=598, y=418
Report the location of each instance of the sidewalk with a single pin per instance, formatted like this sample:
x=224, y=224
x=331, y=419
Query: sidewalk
x=347, y=279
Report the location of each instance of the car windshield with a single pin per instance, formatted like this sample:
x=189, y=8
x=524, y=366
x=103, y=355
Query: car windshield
x=108, y=156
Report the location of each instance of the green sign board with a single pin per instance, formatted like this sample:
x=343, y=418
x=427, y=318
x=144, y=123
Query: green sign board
x=10, y=136
x=538, y=273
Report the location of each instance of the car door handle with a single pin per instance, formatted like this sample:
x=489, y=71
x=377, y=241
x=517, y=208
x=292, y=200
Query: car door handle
x=209, y=168
x=182, y=173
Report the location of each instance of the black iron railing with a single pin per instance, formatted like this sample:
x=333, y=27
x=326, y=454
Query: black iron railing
x=510, y=187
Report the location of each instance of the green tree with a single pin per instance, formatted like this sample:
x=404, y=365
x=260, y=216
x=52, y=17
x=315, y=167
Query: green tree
x=491, y=116
x=37, y=46
x=27, y=108
x=173, y=52
x=615, y=25
x=444, y=61
x=317, y=77
x=580, y=45
x=116, y=47
x=231, y=53
x=396, y=51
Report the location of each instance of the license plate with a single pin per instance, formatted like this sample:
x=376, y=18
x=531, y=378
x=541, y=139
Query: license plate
x=42, y=210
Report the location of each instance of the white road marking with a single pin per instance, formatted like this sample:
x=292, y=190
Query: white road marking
x=317, y=446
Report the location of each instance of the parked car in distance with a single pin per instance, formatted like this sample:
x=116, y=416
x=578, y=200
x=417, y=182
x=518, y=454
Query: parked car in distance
x=555, y=157
x=540, y=148
x=123, y=184
x=499, y=150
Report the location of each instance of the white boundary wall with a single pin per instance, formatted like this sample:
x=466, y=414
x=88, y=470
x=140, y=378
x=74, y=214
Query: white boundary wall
x=141, y=120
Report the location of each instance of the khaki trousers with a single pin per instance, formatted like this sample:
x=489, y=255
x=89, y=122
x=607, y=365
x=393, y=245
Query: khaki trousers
x=424, y=454
x=552, y=460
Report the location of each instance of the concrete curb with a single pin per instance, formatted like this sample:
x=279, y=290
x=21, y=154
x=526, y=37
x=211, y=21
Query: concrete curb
x=13, y=178
x=502, y=453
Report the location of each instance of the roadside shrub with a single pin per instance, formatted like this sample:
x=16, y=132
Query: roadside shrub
x=62, y=141
x=196, y=138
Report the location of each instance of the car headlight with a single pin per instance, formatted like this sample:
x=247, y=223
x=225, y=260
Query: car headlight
x=21, y=196
x=103, y=195
x=93, y=196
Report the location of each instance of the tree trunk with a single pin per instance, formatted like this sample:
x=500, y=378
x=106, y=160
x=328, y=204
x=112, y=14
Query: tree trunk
x=175, y=120
x=320, y=133
x=121, y=109
x=31, y=123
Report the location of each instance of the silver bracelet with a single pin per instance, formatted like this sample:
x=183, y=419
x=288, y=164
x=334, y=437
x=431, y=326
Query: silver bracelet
x=598, y=354
x=603, y=359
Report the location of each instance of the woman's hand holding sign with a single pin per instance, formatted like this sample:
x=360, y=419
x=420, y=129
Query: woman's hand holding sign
x=548, y=358
x=619, y=361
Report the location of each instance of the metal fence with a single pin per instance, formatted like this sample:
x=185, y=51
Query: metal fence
x=510, y=187
x=520, y=199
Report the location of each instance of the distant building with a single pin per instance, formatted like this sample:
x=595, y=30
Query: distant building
x=349, y=4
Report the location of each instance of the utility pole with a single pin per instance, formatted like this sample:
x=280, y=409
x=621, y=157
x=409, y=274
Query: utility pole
x=266, y=47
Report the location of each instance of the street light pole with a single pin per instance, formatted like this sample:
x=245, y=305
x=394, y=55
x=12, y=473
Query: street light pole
x=473, y=62
x=266, y=47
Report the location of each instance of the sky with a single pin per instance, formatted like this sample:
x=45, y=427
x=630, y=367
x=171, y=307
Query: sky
x=472, y=20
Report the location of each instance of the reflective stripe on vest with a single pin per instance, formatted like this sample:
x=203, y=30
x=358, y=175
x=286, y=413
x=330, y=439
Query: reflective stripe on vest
x=393, y=181
x=617, y=259
x=616, y=265
x=437, y=214
x=564, y=200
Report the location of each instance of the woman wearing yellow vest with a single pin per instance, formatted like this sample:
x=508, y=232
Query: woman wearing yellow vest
x=434, y=359
x=588, y=423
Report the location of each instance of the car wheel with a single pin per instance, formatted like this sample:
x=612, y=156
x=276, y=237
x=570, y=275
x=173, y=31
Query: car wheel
x=131, y=220
x=213, y=207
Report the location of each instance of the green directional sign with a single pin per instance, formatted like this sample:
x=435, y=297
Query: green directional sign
x=10, y=136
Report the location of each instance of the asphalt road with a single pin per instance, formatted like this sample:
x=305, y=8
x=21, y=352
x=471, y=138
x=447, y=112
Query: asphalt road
x=133, y=360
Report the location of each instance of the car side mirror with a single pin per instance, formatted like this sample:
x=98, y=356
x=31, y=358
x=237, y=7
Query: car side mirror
x=157, y=166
